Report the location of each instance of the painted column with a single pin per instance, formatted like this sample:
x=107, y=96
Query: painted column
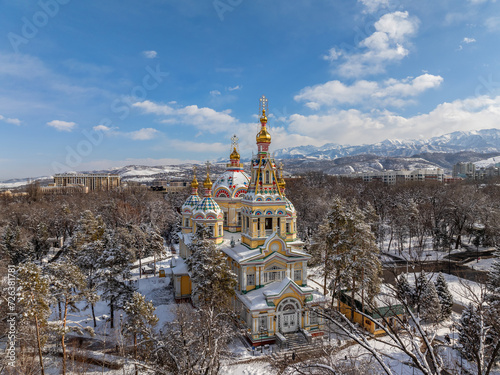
x=304, y=273
x=262, y=227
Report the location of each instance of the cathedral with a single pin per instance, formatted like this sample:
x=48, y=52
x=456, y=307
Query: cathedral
x=254, y=224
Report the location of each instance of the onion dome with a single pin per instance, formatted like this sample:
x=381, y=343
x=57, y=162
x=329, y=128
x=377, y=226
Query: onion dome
x=263, y=136
x=193, y=199
x=234, y=155
x=207, y=205
x=207, y=184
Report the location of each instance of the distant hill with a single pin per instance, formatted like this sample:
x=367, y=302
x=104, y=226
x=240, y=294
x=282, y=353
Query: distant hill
x=479, y=141
x=480, y=147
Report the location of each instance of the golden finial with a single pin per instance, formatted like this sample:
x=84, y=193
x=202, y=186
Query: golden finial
x=281, y=180
x=194, y=183
x=207, y=184
x=234, y=145
x=262, y=108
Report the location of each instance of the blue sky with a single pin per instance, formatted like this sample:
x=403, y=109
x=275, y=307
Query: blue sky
x=99, y=84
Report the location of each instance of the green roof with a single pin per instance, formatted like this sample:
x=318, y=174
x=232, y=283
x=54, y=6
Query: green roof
x=379, y=312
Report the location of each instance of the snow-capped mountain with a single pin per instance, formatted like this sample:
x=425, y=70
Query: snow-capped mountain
x=487, y=140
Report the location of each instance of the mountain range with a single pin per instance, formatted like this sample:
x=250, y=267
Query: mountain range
x=480, y=146
x=479, y=141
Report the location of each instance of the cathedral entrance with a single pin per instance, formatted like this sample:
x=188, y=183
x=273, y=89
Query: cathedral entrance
x=288, y=315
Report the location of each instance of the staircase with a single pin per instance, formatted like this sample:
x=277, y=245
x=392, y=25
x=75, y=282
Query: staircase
x=295, y=340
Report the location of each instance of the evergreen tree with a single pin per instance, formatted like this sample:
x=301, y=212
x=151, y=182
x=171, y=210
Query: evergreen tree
x=212, y=279
x=34, y=300
x=14, y=243
x=404, y=291
x=444, y=295
x=115, y=263
x=88, y=245
x=69, y=286
x=493, y=285
x=468, y=327
x=140, y=319
x=430, y=307
x=346, y=248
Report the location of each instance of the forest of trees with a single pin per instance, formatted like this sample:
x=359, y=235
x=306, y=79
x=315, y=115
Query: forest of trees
x=74, y=248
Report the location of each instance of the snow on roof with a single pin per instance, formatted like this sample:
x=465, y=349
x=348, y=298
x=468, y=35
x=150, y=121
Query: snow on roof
x=180, y=267
x=239, y=252
x=257, y=299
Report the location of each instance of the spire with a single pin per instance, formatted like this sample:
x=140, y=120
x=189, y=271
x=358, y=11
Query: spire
x=235, y=155
x=194, y=183
x=207, y=184
x=281, y=181
x=263, y=137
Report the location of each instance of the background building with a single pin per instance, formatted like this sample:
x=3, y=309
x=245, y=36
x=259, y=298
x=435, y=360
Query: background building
x=93, y=181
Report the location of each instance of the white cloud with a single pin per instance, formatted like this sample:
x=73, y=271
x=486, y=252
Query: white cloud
x=143, y=134
x=237, y=87
x=204, y=118
x=157, y=109
x=60, y=125
x=389, y=43
x=374, y=5
x=332, y=55
x=149, y=54
x=469, y=40
x=390, y=92
x=492, y=24
x=13, y=121
x=103, y=128
x=357, y=127
x=214, y=93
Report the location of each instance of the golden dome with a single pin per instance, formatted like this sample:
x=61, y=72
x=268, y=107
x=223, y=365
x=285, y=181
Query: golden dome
x=263, y=136
x=207, y=184
x=234, y=155
x=194, y=183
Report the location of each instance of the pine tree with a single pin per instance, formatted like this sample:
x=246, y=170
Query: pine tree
x=34, y=300
x=212, y=279
x=69, y=286
x=88, y=245
x=404, y=291
x=140, y=319
x=346, y=246
x=468, y=327
x=445, y=297
x=115, y=263
x=429, y=301
x=493, y=285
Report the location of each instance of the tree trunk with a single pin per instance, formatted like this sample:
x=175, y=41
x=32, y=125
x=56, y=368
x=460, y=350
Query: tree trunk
x=39, y=345
x=112, y=313
x=353, y=302
x=93, y=314
x=59, y=308
x=64, y=336
x=140, y=266
x=324, y=284
x=135, y=353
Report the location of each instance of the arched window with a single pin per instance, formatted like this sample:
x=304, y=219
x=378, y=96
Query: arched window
x=267, y=177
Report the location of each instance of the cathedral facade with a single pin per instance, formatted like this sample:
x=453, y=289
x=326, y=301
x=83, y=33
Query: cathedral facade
x=254, y=225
